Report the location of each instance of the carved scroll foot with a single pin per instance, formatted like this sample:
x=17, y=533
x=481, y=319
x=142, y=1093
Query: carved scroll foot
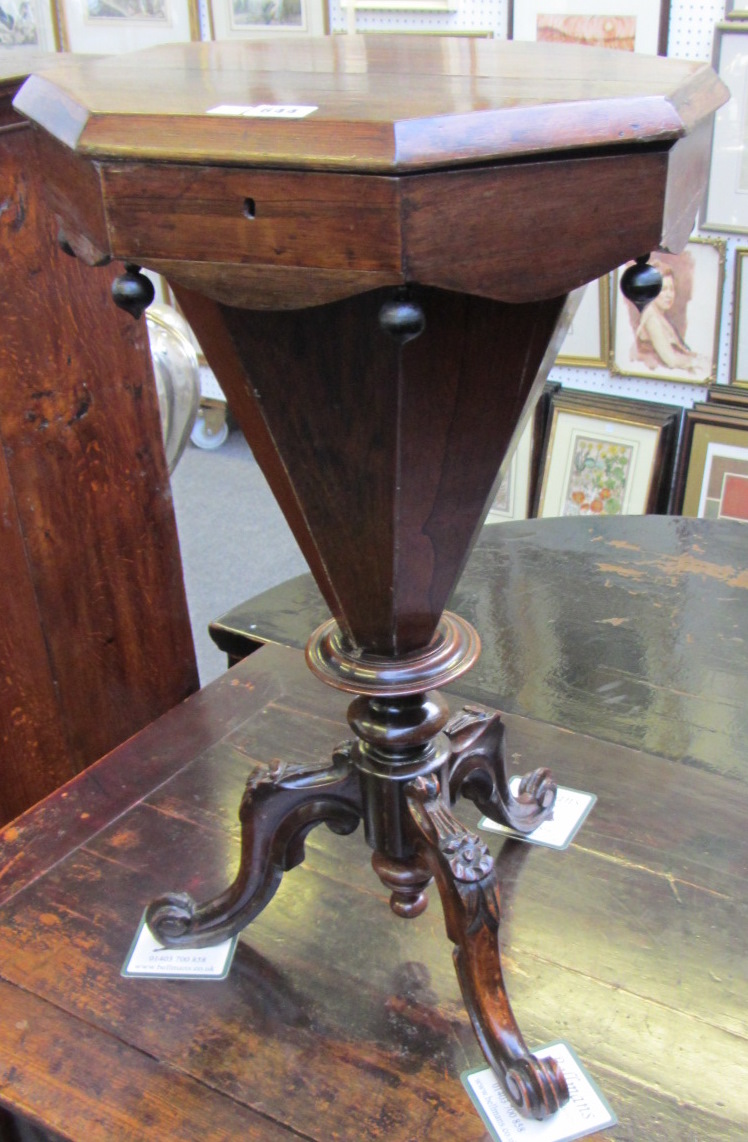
x=281, y=804
x=478, y=771
x=466, y=878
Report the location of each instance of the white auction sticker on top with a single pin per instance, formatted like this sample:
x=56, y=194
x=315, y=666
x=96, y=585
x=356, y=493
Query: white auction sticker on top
x=148, y=959
x=570, y=810
x=264, y=110
x=585, y=1113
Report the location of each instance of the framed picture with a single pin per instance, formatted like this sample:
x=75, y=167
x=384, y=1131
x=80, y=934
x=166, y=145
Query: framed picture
x=607, y=456
x=29, y=24
x=242, y=19
x=726, y=201
x=512, y=500
x=624, y=25
x=587, y=342
x=713, y=481
x=517, y=491
x=403, y=6
x=676, y=337
x=739, y=347
x=736, y=10
x=733, y=396
x=110, y=26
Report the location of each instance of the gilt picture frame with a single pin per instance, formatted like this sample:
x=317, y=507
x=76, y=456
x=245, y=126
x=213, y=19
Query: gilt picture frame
x=605, y=456
x=587, y=341
x=114, y=26
x=246, y=19
x=623, y=25
x=725, y=205
x=736, y=10
x=713, y=480
x=676, y=337
x=739, y=346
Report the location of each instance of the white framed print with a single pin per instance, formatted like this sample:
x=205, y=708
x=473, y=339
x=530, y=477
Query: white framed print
x=623, y=25
x=736, y=10
x=726, y=202
x=597, y=466
x=676, y=336
x=512, y=500
x=587, y=341
x=113, y=26
x=244, y=19
x=28, y=24
x=606, y=456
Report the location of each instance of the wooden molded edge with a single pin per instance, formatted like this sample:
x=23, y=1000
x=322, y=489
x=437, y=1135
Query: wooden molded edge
x=49, y=106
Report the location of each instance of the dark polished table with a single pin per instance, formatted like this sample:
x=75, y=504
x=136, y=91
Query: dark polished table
x=632, y=630
x=339, y=1021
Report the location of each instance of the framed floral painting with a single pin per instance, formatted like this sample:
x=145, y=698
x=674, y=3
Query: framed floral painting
x=587, y=341
x=713, y=480
x=112, y=26
x=243, y=19
x=607, y=456
x=622, y=25
x=28, y=24
x=676, y=337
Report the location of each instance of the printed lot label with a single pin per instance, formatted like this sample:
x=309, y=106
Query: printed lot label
x=585, y=1113
x=570, y=810
x=149, y=959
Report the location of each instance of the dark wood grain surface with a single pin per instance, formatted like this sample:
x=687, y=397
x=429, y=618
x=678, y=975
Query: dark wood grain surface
x=626, y=629
x=339, y=1020
x=384, y=458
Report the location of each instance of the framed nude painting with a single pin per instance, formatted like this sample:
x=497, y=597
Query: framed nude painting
x=713, y=480
x=676, y=337
x=29, y=24
x=607, y=456
x=112, y=26
x=622, y=25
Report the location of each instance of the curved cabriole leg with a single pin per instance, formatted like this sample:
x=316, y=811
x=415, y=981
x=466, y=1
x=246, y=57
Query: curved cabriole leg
x=477, y=770
x=466, y=878
x=281, y=804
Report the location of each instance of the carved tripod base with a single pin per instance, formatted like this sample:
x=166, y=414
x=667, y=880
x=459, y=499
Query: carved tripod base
x=407, y=766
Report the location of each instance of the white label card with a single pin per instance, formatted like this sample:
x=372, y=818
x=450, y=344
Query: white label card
x=149, y=959
x=263, y=110
x=585, y=1113
x=570, y=810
